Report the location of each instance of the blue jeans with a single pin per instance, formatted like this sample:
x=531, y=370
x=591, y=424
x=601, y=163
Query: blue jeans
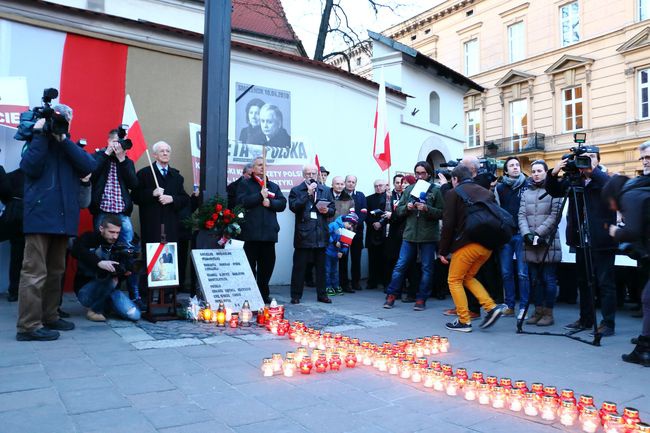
x=126, y=238
x=545, y=285
x=516, y=247
x=408, y=253
x=96, y=294
x=332, y=271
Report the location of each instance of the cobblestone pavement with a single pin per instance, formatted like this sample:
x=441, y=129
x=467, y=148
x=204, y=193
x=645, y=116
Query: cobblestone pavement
x=178, y=376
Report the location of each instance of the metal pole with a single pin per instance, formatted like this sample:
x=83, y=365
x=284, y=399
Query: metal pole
x=215, y=98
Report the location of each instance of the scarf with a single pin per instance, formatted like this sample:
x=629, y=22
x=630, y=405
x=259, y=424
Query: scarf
x=514, y=183
x=260, y=181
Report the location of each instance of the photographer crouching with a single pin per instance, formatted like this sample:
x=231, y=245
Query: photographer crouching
x=102, y=264
x=584, y=175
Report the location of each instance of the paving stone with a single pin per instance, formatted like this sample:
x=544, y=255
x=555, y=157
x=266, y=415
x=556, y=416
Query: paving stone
x=159, y=399
x=318, y=418
x=211, y=426
x=161, y=344
x=72, y=368
x=280, y=395
x=198, y=383
x=49, y=418
x=24, y=381
x=229, y=410
x=142, y=383
x=92, y=400
x=90, y=382
x=180, y=414
x=277, y=425
x=124, y=420
x=19, y=400
x=122, y=357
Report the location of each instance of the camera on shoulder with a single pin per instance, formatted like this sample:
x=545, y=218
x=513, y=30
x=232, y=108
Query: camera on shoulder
x=576, y=158
x=122, y=131
x=55, y=122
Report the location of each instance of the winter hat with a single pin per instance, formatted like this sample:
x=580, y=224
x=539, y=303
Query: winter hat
x=351, y=218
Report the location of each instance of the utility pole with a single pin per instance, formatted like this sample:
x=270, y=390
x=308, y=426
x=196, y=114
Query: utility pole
x=215, y=98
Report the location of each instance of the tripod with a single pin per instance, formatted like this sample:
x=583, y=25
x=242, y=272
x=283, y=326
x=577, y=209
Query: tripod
x=577, y=193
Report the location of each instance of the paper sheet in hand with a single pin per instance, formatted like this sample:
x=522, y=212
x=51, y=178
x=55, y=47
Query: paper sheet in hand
x=420, y=186
x=322, y=204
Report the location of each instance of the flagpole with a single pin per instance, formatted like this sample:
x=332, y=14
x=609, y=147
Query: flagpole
x=264, y=164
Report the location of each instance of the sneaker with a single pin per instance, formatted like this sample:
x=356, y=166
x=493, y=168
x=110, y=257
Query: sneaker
x=330, y=291
x=604, y=331
x=451, y=312
x=492, y=316
x=41, y=334
x=408, y=299
x=457, y=326
x=324, y=299
x=390, y=301
x=419, y=306
x=95, y=317
x=59, y=325
x=508, y=312
x=576, y=326
x=520, y=315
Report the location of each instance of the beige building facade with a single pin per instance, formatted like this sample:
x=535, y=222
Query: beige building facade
x=550, y=68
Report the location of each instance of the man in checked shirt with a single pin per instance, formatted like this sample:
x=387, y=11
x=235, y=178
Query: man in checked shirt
x=112, y=182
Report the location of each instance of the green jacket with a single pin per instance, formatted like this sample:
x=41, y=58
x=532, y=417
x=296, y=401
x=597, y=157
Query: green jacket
x=422, y=226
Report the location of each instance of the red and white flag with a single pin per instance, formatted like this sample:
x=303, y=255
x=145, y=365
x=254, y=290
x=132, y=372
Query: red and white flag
x=347, y=236
x=317, y=162
x=135, y=132
x=381, y=148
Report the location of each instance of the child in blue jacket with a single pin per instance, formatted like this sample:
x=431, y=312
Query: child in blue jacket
x=335, y=250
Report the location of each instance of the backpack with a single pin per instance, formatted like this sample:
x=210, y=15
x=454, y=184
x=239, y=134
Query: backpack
x=486, y=222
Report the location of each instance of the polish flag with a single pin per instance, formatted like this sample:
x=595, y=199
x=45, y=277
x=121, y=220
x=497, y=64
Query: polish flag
x=347, y=236
x=135, y=132
x=381, y=148
x=317, y=162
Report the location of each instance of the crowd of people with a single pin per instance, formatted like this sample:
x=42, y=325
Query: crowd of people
x=415, y=230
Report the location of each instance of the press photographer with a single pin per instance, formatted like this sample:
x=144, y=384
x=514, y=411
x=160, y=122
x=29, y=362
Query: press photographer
x=113, y=180
x=584, y=180
x=103, y=262
x=52, y=165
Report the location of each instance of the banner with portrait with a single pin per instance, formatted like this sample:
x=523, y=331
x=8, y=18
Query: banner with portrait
x=162, y=264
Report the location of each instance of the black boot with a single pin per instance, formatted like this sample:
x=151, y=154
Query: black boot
x=641, y=353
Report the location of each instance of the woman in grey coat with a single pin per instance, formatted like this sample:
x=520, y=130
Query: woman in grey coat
x=537, y=219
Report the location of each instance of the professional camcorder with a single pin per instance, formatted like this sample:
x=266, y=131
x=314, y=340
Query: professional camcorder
x=576, y=158
x=56, y=123
x=488, y=167
x=445, y=168
x=126, y=143
x=129, y=259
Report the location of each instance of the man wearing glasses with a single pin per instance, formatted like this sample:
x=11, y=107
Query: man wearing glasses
x=421, y=232
x=644, y=149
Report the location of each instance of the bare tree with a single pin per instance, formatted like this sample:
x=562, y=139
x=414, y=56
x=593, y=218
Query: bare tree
x=334, y=21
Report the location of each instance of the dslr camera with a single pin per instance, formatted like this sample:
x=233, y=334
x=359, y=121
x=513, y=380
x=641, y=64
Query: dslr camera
x=126, y=143
x=56, y=123
x=576, y=157
x=129, y=260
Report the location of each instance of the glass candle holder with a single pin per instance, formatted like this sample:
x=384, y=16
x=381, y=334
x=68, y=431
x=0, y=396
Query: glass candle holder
x=448, y=370
x=234, y=320
x=305, y=365
x=484, y=394
x=289, y=368
x=505, y=383
x=614, y=424
x=206, y=313
x=477, y=377
x=608, y=407
x=416, y=373
x=267, y=367
x=301, y=353
x=515, y=402
x=469, y=390
x=438, y=381
x=428, y=376
x=492, y=381
x=548, y=408
x=530, y=404
x=498, y=397
x=521, y=384
x=568, y=394
x=405, y=369
x=335, y=362
x=444, y=344
x=394, y=366
x=245, y=315
x=568, y=413
x=436, y=365
x=585, y=401
x=642, y=428
x=277, y=362
x=221, y=316
x=351, y=359
x=321, y=364
x=630, y=417
x=589, y=419
x=451, y=386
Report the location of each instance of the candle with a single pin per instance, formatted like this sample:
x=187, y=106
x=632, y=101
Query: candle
x=351, y=359
x=428, y=377
x=530, y=404
x=520, y=384
x=335, y=362
x=405, y=369
x=477, y=377
x=451, y=386
x=614, y=424
x=470, y=390
x=393, y=366
x=260, y=318
x=585, y=401
x=631, y=417
x=416, y=374
x=207, y=313
x=246, y=315
x=642, y=427
x=277, y=362
x=548, y=408
x=321, y=364
x=288, y=368
x=589, y=419
x=498, y=397
x=515, y=402
x=484, y=393
x=568, y=413
x=234, y=320
x=438, y=381
x=444, y=344
x=607, y=408
x=267, y=367
x=305, y=365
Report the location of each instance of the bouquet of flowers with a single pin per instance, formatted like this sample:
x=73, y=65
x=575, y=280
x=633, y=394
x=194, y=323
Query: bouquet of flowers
x=215, y=217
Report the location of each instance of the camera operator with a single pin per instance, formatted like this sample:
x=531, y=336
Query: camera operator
x=52, y=165
x=98, y=275
x=592, y=179
x=112, y=181
x=379, y=213
x=632, y=199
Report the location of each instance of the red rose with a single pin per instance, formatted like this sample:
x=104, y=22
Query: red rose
x=209, y=224
x=218, y=208
x=227, y=219
x=215, y=217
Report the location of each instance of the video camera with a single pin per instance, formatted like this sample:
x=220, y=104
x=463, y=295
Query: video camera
x=126, y=143
x=129, y=259
x=56, y=123
x=445, y=168
x=576, y=158
x=488, y=167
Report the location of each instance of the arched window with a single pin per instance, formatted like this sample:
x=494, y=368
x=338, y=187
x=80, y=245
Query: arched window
x=434, y=108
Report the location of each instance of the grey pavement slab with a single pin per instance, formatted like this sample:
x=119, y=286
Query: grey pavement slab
x=97, y=379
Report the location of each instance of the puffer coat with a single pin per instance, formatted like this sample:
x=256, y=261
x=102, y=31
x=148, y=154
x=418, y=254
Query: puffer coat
x=539, y=216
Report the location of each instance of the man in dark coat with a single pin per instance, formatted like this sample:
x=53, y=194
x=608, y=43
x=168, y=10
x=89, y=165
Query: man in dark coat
x=376, y=233
x=311, y=233
x=361, y=209
x=52, y=165
x=11, y=225
x=233, y=187
x=160, y=206
x=112, y=183
x=260, y=227
x=603, y=248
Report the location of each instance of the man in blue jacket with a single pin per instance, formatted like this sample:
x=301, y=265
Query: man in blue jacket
x=603, y=248
x=52, y=165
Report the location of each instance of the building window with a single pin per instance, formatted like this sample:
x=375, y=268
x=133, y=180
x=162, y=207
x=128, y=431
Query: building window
x=572, y=104
x=644, y=9
x=570, y=23
x=471, y=57
x=358, y=61
x=434, y=108
x=516, y=42
x=473, y=128
x=644, y=89
x=518, y=124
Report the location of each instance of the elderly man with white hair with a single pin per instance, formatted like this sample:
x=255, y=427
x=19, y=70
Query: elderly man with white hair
x=52, y=165
x=169, y=204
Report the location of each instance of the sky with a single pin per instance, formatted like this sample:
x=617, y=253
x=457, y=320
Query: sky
x=304, y=17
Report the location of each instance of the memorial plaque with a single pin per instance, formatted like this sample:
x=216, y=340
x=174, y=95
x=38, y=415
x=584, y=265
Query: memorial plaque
x=225, y=275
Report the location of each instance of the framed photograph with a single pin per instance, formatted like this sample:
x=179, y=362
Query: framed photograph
x=162, y=264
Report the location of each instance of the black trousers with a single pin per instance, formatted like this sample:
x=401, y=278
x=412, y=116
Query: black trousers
x=603, y=270
x=355, y=259
x=378, y=272
x=261, y=257
x=302, y=256
x=17, y=245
